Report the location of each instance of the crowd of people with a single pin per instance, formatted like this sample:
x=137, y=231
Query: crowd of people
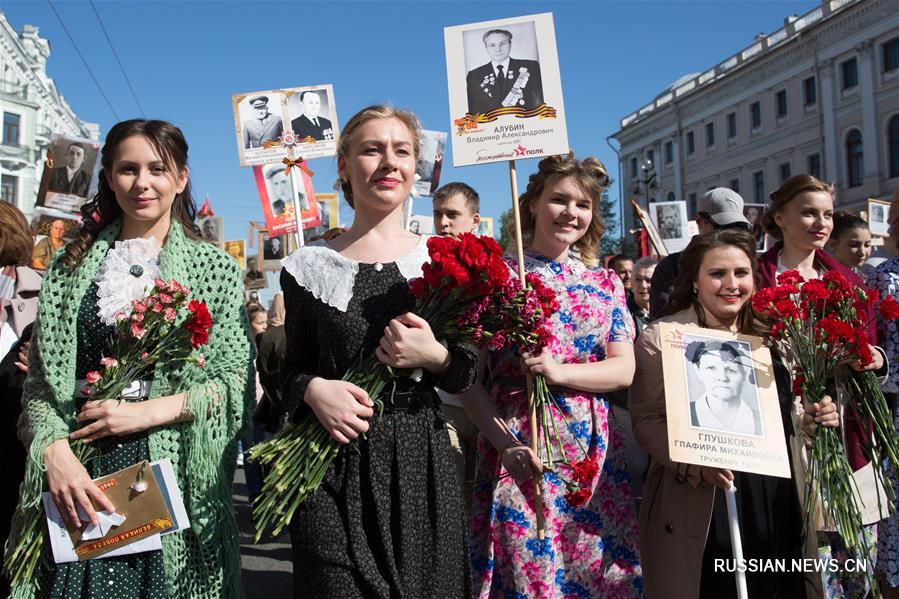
x=434, y=495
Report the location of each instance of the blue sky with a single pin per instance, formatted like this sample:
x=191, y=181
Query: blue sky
x=185, y=59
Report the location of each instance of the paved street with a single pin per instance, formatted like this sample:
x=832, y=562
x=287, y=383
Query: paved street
x=266, y=567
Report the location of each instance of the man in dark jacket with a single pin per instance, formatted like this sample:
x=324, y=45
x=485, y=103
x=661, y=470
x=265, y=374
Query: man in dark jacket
x=503, y=81
x=71, y=178
x=718, y=208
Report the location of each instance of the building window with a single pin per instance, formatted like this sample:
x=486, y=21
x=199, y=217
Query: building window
x=8, y=187
x=784, y=170
x=651, y=157
x=11, y=127
x=731, y=125
x=709, y=135
x=780, y=103
x=669, y=152
x=758, y=187
x=809, y=92
x=735, y=185
x=691, y=203
x=891, y=55
x=691, y=147
x=633, y=168
x=814, y=165
x=849, y=74
x=755, y=115
x=893, y=142
x=671, y=197
x=854, y=158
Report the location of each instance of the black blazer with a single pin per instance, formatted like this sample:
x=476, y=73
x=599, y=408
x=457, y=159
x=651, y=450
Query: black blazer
x=59, y=181
x=303, y=127
x=484, y=95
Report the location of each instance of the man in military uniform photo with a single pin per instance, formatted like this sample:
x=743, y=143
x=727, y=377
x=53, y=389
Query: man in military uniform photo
x=309, y=124
x=503, y=81
x=264, y=127
x=70, y=177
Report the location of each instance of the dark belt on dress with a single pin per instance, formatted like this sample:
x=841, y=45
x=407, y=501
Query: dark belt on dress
x=408, y=400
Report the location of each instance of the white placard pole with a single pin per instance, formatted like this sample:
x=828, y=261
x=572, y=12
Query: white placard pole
x=736, y=541
x=296, y=185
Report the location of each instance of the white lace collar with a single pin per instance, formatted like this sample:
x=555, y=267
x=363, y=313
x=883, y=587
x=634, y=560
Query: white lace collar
x=126, y=274
x=329, y=276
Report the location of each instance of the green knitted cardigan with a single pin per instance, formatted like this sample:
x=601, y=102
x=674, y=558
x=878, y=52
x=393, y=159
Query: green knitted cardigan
x=204, y=560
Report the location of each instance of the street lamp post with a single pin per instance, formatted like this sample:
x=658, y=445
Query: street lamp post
x=645, y=183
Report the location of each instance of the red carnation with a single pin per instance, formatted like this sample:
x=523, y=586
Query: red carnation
x=198, y=323
x=578, y=498
x=790, y=277
x=584, y=471
x=799, y=383
x=787, y=309
x=889, y=308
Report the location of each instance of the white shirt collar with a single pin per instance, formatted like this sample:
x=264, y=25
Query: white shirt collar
x=504, y=64
x=71, y=172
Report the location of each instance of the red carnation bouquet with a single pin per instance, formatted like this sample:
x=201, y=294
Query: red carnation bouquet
x=467, y=294
x=166, y=327
x=822, y=324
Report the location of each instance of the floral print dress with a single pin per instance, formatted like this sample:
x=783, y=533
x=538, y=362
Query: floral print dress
x=590, y=547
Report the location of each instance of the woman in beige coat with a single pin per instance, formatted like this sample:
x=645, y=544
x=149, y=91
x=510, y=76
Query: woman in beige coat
x=683, y=517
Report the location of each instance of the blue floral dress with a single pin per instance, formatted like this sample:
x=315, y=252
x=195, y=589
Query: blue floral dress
x=589, y=550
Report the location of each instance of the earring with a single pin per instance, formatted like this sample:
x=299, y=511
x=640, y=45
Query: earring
x=695, y=291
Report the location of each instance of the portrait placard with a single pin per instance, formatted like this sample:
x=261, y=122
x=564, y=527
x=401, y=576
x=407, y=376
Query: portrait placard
x=276, y=195
x=329, y=214
x=272, y=250
x=53, y=229
x=670, y=219
x=879, y=217
x=721, y=401
x=254, y=277
x=237, y=249
x=754, y=214
x=505, y=90
x=422, y=225
x=212, y=228
x=485, y=227
x=68, y=176
x=271, y=124
x=430, y=162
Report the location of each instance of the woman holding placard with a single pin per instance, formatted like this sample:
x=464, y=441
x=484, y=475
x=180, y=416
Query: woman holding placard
x=139, y=227
x=386, y=521
x=590, y=548
x=683, y=511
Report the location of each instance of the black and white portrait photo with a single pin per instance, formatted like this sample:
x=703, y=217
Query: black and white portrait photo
x=879, y=217
x=212, y=228
x=670, y=225
x=310, y=115
x=421, y=225
x=254, y=278
x=753, y=214
x=262, y=120
x=272, y=250
x=503, y=68
x=430, y=162
x=721, y=386
x=69, y=173
x=280, y=191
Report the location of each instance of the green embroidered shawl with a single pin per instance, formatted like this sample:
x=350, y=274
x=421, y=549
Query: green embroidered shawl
x=203, y=561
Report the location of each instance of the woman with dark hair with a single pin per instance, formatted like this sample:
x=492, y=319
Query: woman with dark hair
x=590, y=549
x=19, y=289
x=850, y=240
x=683, y=512
x=138, y=227
x=801, y=217
x=386, y=521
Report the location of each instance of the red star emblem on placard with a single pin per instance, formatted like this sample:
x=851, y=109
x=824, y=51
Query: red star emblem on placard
x=520, y=150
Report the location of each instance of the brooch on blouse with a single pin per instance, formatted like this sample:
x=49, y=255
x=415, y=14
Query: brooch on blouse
x=126, y=274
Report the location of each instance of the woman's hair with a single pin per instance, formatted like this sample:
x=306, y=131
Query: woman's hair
x=169, y=143
x=254, y=308
x=16, y=242
x=894, y=220
x=377, y=111
x=682, y=295
x=697, y=349
x=590, y=175
x=845, y=221
x=782, y=196
x=277, y=312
